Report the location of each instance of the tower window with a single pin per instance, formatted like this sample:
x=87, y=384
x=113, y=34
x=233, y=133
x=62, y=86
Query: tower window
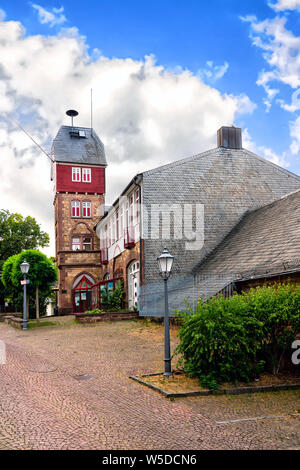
x=86, y=175
x=75, y=244
x=80, y=243
x=87, y=244
x=75, y=210
x=76, y=174
x=86, y=209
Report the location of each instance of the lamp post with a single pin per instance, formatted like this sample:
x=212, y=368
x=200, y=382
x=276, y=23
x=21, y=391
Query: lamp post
x=165, y=262
x=24, y=269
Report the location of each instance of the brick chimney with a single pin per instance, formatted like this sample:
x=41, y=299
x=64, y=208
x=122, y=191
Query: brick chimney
x=230, y=137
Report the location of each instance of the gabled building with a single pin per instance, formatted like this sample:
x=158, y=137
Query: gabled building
x=223, y=183
x=216, y=212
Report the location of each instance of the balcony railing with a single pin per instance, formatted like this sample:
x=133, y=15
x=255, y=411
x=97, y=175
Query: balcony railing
x=104, y=255
x=129, y=239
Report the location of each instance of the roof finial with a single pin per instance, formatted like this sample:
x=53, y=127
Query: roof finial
x=72, y=113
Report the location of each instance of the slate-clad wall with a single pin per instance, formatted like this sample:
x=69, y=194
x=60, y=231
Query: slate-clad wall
x=228, y=182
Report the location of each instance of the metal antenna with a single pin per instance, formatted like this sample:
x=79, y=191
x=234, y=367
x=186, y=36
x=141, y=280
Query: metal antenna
x=28, y=135
x=91, y=111
x=72, y=113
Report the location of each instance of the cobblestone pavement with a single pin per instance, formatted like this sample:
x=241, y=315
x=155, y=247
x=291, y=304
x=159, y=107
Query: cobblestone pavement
x=67, y=387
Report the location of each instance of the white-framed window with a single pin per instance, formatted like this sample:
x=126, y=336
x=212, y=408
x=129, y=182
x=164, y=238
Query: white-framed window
x=87, y=243
x=86, y=209
x=117, y=225
x=75, y=243
x=126, y=215
x=137, y=204
x=109, y=234
x=121, y=220
x=75, y=209
x=86, y=175
x=131, y=211
x=76, y=174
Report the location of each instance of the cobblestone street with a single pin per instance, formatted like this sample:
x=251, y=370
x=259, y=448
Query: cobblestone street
x=67, y=387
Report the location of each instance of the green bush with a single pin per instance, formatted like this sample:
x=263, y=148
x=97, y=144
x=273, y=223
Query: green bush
x=278, y=308
x=113, y=300
x=238, y=338
x=220, y=342
x=95, y=311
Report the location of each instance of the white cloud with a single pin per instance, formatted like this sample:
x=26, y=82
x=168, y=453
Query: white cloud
x=53, y=17
x=281, y=51
x=263, y=151
x=145, y=114
x=211, y=73
x=281, y=5
x=2, y=14
x=295, y=134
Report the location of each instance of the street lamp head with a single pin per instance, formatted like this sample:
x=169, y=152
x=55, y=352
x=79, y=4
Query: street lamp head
x=24, y=267
x=165, y=262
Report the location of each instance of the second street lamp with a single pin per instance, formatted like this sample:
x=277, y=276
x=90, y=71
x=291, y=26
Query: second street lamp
x=24, y=269
x=165, y=262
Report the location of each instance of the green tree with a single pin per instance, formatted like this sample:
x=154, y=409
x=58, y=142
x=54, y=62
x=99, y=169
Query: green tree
x=42, y=275
x=16, y=234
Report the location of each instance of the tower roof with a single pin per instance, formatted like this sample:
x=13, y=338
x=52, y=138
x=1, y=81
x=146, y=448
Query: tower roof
x=77, y=145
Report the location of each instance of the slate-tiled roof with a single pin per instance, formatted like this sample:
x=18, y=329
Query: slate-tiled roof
x=265, y=241
x=89, y=150
x=227, y=182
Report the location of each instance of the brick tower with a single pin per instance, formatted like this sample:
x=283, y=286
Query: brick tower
x=78, y=172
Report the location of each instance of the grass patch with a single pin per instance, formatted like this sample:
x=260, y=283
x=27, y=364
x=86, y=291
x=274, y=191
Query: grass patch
x=33, y=324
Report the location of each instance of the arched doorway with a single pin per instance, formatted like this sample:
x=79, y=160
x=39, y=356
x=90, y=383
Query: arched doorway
x=133, y=280
x=82, y=293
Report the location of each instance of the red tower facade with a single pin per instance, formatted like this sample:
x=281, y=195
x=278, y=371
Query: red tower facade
x=79, y=191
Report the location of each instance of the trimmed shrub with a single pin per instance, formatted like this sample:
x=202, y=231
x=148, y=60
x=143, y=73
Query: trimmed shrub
x=278, y=308
x=220, y=342
x=240, y=337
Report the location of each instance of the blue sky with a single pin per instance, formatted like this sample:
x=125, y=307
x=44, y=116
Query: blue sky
x=213, y=63
x=180, y=33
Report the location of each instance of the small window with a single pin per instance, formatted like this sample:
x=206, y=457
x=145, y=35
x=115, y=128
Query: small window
x=87, y=243
x=75, y=244
x=82, y=134
x=86, y=175
x=117, y=225
x=137, y=203
x=86, y=209
x=75, y=211
x=76, y=174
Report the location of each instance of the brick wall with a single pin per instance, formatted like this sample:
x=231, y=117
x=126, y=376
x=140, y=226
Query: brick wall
x=73, y=263
x=121, y=262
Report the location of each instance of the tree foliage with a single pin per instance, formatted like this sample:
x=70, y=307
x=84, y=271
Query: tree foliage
x=42, y=275
x=18, y=233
